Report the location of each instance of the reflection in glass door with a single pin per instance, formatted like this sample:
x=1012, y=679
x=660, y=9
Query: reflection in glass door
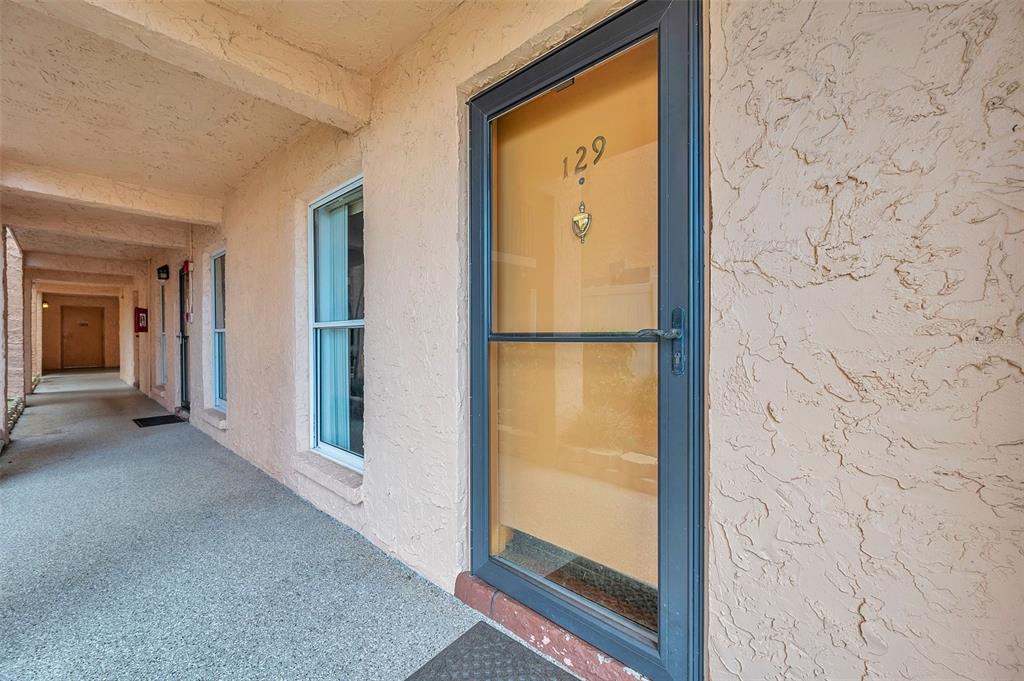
x=574, y=390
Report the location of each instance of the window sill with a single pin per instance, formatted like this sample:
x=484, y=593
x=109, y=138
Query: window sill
x=338, y=477
x=216, y=418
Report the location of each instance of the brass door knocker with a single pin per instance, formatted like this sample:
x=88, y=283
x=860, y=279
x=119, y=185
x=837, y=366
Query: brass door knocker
x=581, y=222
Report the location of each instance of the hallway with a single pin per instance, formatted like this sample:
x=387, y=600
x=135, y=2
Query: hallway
x=156, y=553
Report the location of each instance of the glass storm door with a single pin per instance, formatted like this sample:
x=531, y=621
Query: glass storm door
x=574, y=386
x=581, y=389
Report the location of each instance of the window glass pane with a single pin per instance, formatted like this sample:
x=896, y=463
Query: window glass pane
x=340, y=354
x=221, y=366
x=355, y=261
x=218, y=292
x=574, y=466
x=338, y=261
x=588, y=149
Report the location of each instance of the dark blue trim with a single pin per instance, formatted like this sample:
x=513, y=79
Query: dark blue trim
x=676, y=652
x=581, y=337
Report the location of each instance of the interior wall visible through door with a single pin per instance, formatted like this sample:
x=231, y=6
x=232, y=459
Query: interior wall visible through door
x=81, y=331
x=62, y=310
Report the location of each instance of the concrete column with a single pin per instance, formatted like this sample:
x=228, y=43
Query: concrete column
x=33, y=312
x=37, y=333
x=4, y=435
x=14, y=287
x=126, y=331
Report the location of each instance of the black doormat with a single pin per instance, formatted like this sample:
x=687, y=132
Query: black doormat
x=485, y=654
x=613, y=590
x=602, y=585
x=158, y=420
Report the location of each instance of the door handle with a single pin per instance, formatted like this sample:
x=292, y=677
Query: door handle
x=664, y=334
x=674, y=334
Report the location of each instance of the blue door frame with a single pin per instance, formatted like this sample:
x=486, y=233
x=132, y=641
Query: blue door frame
x=675, y=652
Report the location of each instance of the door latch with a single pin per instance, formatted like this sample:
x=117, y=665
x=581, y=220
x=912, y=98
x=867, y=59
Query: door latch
x=673, y=334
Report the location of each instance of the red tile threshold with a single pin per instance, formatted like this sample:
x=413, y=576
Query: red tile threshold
x=583, y=659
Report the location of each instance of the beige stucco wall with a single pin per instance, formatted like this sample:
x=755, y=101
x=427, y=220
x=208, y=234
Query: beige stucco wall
x=51, y=328
x=264, y=238
x=264, y=225
x=864, y=451
x=412, y=499
x=866, y=481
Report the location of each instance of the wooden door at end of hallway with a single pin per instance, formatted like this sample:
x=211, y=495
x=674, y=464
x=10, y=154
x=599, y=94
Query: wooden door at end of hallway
x=81, y=337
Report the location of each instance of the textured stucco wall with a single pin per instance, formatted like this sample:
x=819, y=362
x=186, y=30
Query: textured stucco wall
x=866, y=391
x=51, y=328
x=416, y=490
x=413, y=498
x=864, y=458
x=264, y=226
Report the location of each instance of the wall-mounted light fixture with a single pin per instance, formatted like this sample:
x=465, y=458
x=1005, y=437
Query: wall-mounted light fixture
x=45, y=305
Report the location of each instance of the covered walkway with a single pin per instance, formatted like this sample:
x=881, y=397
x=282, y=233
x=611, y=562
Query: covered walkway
x=156, y=553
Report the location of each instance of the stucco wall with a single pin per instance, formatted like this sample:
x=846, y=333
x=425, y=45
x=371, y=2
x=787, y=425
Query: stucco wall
x=264, y=236
x=865, y=477
x=415, y=158
x=413, y=498
x=51, y=328
x=864, y=451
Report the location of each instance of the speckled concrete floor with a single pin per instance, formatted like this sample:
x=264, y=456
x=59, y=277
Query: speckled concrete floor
x=153, y=553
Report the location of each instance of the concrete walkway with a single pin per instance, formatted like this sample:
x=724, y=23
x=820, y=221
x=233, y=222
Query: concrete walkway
x=131, y=553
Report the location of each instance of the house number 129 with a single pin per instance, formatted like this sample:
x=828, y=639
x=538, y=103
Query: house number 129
x=598, y=145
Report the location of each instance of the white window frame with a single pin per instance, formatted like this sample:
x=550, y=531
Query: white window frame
x=342, y=456
x=163, y=335
x=218, y=359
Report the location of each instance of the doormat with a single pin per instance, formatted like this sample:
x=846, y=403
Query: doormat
x=158, y=420
x=602, y=585
x=610, y=588
x=485, y=654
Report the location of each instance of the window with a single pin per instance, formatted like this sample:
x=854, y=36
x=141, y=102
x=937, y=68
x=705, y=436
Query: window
x=163, y=335
x=336, y=336
x=220, y=391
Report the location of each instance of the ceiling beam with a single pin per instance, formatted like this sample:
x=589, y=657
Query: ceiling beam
x=38, y=276
x=79, y=289
x=80, y=263
x=102, y=192
x=80, y=223
x=228, y=48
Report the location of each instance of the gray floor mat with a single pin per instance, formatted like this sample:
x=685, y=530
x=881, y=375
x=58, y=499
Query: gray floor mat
x=485, y=654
